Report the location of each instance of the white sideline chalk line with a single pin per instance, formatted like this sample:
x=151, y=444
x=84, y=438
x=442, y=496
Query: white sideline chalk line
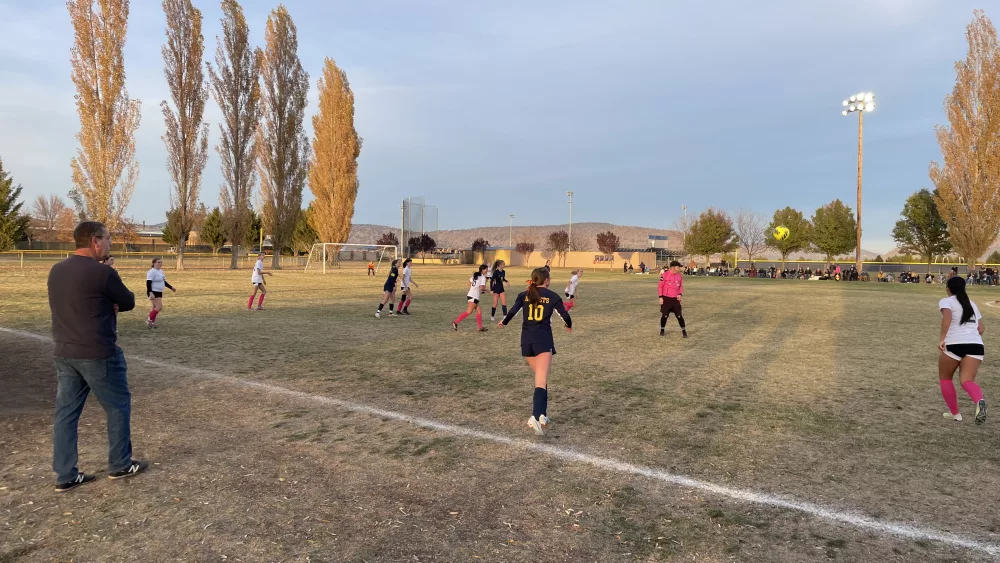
x=607, y=464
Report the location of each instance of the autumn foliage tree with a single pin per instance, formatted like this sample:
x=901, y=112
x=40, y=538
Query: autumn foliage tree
x=54, y=220
x=525, y=248
x=608, y=243
x=712, y=233
x=559, y=243
x=968, y=182
x=388, y=239
x=282, y=145
x=333, y=171
x=186, y=135
x=236, y=88
x=104, y=169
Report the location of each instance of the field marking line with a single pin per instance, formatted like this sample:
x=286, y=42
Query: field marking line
x=993, y=303
x=887, y=528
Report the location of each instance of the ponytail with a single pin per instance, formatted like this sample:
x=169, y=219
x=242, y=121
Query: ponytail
x=479, y=272
x=956, y=286
x=496, y=264
x=538, y=279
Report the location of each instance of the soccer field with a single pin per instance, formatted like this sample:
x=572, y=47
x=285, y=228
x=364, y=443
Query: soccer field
x=312, y=431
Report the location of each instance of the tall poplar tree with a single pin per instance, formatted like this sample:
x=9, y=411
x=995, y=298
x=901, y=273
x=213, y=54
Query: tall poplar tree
x=104, y=169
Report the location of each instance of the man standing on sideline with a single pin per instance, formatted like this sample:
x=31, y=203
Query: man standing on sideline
x=84, y=296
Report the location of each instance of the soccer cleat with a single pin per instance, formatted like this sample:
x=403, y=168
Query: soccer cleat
x=493, y=319
x=662, y=332
x=378, y=314
x=153, y=325
x=981, y=411
x=956, y=417
x=684, y=333
x=536, y=426
x=260, y=308
x=149, y=323
x=134, y=468
x=483, y=329
x=544, y=421
x=454, y=326
x=391, y=314
x=80, y=479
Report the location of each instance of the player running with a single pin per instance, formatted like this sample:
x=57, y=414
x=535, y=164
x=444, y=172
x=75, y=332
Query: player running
x=156, y=282
x=497, y=281
x=257, y=279
x=571, y=290
x=537, y=344
x=961, y=348
x=389, y=290
x=671, y=288
x=477, y=287
x=407, y=298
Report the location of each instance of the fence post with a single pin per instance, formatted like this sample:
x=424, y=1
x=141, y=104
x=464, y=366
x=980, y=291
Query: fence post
x=22, y=260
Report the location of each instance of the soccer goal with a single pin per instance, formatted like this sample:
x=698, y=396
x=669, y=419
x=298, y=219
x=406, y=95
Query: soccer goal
x=328, y=255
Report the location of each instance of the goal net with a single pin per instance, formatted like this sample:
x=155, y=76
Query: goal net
x=328, y=255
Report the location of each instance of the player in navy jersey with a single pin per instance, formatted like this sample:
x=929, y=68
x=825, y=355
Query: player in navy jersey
x=389, y=290
x=537, y=344
x=497, y=281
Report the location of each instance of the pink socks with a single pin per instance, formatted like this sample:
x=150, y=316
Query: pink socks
x=950, y=397
x=250, y=302
x=975, y=393
x=569, y=306
x=479, y=320
x=152, y=315
x=461, y=318
x=260, y=300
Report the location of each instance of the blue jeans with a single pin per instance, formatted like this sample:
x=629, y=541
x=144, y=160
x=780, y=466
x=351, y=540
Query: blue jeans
x=107, y=379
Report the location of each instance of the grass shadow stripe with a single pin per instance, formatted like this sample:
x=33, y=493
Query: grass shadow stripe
x=850, y=518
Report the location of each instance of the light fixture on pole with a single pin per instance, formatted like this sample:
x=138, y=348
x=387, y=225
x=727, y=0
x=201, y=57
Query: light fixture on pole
x=510, y=233
x=570, y=195
x=859, y=103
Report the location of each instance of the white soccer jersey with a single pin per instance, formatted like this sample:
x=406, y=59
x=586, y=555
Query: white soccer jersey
x=406, y=277
x=258, y=272
x=157, y=278
x=478, y=286
x=573, y=281
x=958, y=333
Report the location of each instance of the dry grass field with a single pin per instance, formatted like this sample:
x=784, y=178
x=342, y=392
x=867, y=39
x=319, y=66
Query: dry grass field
x=262, y=449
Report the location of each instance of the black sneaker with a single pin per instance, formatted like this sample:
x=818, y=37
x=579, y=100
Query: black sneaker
x=684, y=334
x=80, y=479
x=662, y=332
x=484, y=329
x=133, y=468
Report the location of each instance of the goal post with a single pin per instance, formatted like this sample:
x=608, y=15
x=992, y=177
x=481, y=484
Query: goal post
x=328, y=255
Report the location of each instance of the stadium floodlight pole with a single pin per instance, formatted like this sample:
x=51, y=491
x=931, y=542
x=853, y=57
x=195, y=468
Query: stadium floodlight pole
x=859, y=103
x=510, y=233
x=570, y=194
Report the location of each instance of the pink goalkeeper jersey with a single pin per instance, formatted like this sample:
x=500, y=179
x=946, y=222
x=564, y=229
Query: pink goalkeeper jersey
x=671, y=285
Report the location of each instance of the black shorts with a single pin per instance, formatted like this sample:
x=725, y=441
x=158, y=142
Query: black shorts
x=157, y=294
x=569, y=296
x=532, y=348
x=259, y=285
x=960, y=351
x=472, y=299
x=498, y=290
x=670, y=305
x=389, y=289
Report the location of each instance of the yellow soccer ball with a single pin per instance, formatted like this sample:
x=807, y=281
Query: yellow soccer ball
x=781, y=232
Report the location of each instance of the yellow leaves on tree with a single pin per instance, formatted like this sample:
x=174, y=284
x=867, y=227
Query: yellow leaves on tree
x=333, y=173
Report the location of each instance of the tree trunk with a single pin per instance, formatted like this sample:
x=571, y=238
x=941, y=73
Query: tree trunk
x=180, y=252
x=234, y=263
x=275, y=257
x=929, y=261
x=784, y=258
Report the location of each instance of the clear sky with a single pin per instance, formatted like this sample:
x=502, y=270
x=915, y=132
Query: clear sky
x=487, y=109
